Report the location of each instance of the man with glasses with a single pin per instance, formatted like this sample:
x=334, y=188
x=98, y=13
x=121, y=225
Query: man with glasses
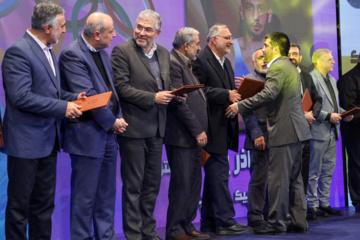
x=142, y=81
x=215, y=71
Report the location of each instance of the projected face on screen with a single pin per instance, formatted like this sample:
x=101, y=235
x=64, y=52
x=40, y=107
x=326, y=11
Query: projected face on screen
x=256, y=16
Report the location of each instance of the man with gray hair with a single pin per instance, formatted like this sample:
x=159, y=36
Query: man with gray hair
x=256, y=141
x=34, y=110
x=142, y=81
x=90, y=140
x=214, y=70
x=325, y=132
x=185, y=136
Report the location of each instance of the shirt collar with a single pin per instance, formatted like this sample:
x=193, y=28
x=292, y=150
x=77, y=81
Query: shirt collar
x=299, y=70
x=152, y=51
x=221, y=60
x=271, y=62
x=91, y=48
x=40, y=43
x=184, y=58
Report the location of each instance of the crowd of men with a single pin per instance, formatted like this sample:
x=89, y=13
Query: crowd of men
x=293, y=153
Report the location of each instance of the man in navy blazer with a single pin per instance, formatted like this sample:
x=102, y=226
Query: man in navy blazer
x=34, y=110
x=90, y=139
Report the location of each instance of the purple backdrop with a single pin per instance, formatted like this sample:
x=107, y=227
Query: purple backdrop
x=15, y=19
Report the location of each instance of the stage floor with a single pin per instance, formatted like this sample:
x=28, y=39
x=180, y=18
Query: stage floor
x=334, y=227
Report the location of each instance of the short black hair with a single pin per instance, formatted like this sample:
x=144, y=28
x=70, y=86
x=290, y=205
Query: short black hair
x=281, y=40
x=295, y=45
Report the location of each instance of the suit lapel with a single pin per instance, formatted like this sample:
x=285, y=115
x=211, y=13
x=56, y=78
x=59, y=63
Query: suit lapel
x=143, y=59
x=103, y=59
x=39, y=53
x=324, y=87
x=92, y=62
x=216, y=65
x=191, y=76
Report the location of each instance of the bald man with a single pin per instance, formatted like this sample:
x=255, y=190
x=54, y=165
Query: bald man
x=90, y=139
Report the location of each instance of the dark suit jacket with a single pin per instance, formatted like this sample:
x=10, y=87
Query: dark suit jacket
x=187, y=120
x=87, y=135
x=33, y=106
x=307, y=83
x=255, y=124
x=349, y=96
x=209, y=72
x=136, y=87
x=282, y=98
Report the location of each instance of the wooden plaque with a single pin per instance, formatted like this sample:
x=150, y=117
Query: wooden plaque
x=93, y=102
x=187, y=89
x=249, y=87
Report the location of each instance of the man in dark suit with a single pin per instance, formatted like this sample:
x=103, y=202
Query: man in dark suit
x=287, y=127
x=349, y=96
x=185, y=136
x=32, y=118
x=142, y=81
x=256, y=141
x=306, y=83
x=325, y=133
x=90, y=139
x=214, y=70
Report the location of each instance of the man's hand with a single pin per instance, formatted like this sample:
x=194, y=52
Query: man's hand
x=81, y=95
x=231, y=111
x=335, y=118
x=309, y=116
x=234, y=96
x=72, y=110
x=348, y=118
x=163, y=97
x=181, y=98
x=259, y=143
x=201, y=139
x=238, y=81
x=119, y=126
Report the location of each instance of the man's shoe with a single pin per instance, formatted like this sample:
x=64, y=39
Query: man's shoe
x=317, y=211
x=184, y=236
x=199, y=235
x=357, y=207
x=235, y=229
x=269, y=231
x=257, y=224
x=294, y=229
x=311, y=217
x=329, y=210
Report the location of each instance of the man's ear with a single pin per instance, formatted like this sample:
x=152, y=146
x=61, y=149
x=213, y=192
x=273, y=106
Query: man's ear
x=269, y=15
x=96, y=35
x=47, y=28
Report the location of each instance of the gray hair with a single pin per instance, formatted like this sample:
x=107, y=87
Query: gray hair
x=253, y=55
x=45, y=13
x=214, y=31
x=91, y=27
x=150, y=14
x=319, y=54
x=185, y=34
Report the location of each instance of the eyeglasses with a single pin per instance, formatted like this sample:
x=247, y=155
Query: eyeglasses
x=147, y=30
x=228, y=38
